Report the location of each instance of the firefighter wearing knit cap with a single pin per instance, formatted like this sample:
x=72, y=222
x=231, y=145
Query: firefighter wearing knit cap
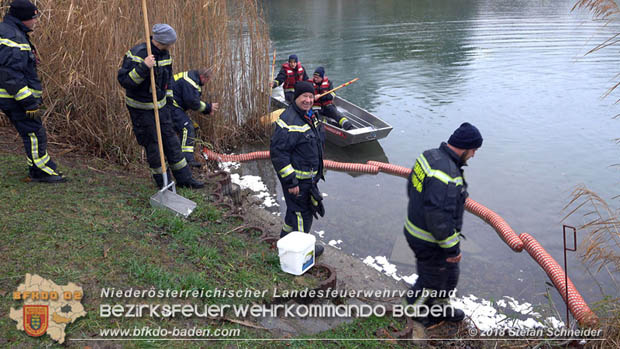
x=437, y=191
x=297, y=155
x=134, y=76
x=21, y=90
x=325, y=105
x=290, y=72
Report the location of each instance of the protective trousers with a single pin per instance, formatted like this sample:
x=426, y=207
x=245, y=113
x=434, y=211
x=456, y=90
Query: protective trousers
x=330, y=111
x=34, y=137
x=146, y=134
x=184, y=127
x=434, y=272
x=298, y=209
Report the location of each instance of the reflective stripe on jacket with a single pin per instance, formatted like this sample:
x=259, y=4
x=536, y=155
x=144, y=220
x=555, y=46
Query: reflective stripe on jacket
x=134, y=76
x=186, y=89
x=437, y=193
x=19, y=81
x=297, y=147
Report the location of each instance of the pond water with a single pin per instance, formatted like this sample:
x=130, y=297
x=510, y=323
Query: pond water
x=515, y=69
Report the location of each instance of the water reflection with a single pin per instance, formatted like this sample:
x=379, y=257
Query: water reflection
x=411, y=41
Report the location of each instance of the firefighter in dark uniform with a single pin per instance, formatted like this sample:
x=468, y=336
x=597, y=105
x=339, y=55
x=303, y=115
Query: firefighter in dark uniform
x=134, y=77
x=20, y=89
x=289, y=74
x=325, y=105
x=187, y=88
x=297, y=156
x=437, y=191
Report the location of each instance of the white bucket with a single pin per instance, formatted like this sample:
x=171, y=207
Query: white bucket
x=296, y=251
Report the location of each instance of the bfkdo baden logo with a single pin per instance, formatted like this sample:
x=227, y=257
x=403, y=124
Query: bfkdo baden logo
x=48, y=307
x=36, y=318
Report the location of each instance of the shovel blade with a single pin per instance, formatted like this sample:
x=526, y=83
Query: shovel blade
x=173, y=202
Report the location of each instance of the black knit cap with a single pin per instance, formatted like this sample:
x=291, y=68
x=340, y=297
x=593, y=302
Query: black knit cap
x=466, y=136
x=303, y=87
x=23, y=10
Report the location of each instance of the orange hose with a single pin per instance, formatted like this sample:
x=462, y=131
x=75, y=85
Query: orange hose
x=350, y=167
x=392, y=169
x=517, y=243
x=498, y=223
x=576, y=304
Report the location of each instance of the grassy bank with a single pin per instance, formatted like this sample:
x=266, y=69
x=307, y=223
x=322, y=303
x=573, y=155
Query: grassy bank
x=99, y=231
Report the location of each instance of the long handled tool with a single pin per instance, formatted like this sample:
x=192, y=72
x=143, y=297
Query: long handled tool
x=167, y=196
x=337, y=88
x=273, y=64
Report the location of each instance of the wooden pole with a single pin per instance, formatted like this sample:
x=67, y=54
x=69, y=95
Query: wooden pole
x=337, y=88
x=154, y=94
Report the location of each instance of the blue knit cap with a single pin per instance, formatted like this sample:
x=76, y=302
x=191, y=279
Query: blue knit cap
x=164, y=34
x=23, y=10
x=466, y=136
x=292, y=58
x=320, y=71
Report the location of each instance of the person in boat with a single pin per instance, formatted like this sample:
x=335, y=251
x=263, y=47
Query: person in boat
x=134, y=77
x=186, y=89
x=325, y=105
x=20, y=89
x=437, y=191
x=290, y=72
x=297, y=156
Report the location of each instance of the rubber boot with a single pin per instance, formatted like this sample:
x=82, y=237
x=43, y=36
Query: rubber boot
x=450, y=313
x=318, y=250
x=185, y=180
x=159, y=179
x=192, y=183
x=427, y=320
x=49, y=179
x=41, y=177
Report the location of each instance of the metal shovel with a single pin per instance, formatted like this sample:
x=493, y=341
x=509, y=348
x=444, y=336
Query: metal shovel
x=167, y=197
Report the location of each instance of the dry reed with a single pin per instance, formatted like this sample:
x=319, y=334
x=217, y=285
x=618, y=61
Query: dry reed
x=601, y=249
x=602, y=246
x=81, y=44
x=599, y=8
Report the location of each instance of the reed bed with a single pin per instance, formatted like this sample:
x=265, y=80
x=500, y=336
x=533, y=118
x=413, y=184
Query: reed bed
x=81, y=44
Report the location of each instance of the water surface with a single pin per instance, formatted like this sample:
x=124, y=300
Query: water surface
x=515, y=69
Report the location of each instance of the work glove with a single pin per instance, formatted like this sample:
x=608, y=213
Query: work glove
x=34, y=114
x=196, y=126
x=317, y=202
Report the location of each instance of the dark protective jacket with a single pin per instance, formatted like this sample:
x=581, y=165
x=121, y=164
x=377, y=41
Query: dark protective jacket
x=134, y=76
x=19, y=81
x=297, y=147
x=437, y=193
x=290, y=76
x=321, y=88
x=186, y=89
